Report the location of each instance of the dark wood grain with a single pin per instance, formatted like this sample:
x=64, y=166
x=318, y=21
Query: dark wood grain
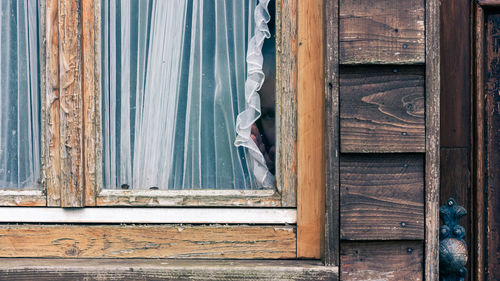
x=388, y=261
x=492, y=78
x=332, y=218
x=382, y=109
x=382, y=31
x=162, y=269
x=455, y=74
x=381, y=197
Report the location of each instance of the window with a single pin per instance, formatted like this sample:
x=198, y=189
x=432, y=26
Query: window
x=83, y=116
x=176, y=76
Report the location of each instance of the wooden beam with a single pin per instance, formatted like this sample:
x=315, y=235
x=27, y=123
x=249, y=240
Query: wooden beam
x=50, y=107
x=332, y=183
x=148, y=241
x=432, y=113
x=148, y=215
x=70, y=114
x=161, y=269
x=286, y=100
x=310, y=129
x=479, y=169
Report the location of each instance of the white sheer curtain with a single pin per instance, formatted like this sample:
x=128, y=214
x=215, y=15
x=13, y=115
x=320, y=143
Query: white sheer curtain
x=174, y=75
x=19, y=94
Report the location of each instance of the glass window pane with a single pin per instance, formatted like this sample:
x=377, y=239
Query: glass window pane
x=174, y=82
x=19, y=94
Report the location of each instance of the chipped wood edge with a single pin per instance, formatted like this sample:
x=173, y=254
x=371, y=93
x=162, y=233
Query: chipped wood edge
x=43, y=75
x=165, y=269
x=50, y=107
x=432, y=158
x=22, y=198
x=91, y=135
x=194, y=198
x=286, y=100
x=479, y=170
x=332, y=184
x=71, y=104
x=310, y=130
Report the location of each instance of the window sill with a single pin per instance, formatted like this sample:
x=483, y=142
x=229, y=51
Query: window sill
x=160, y=269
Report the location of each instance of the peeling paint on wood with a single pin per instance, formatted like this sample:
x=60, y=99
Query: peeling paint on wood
x=51, y=138
x=71, y=104
x=286, y=100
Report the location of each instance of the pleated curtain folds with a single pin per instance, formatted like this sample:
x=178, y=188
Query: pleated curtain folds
x=19, y=94
x=173, y=85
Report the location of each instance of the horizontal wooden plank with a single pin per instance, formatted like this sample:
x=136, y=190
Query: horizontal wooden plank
x=388, y=261
x=161, y=269
x=148, y=241
x=381, y=197
x=382, y=109
x=28, y=198
x=201, y=198
x=148, y=215
x=382, y=31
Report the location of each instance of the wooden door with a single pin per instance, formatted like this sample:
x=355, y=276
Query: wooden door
x=470, y=126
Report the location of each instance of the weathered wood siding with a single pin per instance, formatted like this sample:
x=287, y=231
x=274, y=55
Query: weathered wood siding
x=387, y=100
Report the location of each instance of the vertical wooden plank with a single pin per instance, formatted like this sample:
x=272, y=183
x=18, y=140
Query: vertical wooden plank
x=456, y=74
x=478, y=256
x=310, y=130
x=492, y=109
x=456, y=114
x=432, y=95
x=71, y=121
x=286, y=100
x=50, y=108
x=332, y=184
x=90, y=25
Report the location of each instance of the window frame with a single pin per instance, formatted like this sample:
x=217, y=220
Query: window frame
x=94, y=194
x=70, y=157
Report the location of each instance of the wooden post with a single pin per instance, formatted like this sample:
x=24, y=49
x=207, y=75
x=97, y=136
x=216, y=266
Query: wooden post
x=432, y=95
x=71, y=103
x=310, y=129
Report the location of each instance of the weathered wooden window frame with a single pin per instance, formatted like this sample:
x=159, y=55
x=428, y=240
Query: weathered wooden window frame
x=70, y=125
x=88, y=190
